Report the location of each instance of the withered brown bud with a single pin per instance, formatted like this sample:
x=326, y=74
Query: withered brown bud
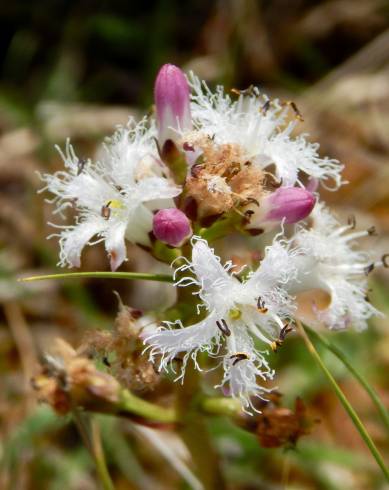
x=128, y=365
x=279, y=426
x=70, y=380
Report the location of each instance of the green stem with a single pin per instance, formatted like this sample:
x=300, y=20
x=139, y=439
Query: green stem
x=219, y=229
x=99, y=457
x=221, y=406
x=144, y=276
x=358, y=376
x=130, y=405
x=346, y=404
x=194, y=432
x=90, y=435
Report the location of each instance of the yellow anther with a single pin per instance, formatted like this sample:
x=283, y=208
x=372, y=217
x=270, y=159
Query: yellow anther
x=234, y=314
x=115, y=204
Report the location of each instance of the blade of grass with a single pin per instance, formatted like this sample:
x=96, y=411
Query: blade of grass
x=384, y=413
x=90, y=435
x=144, y=276
x=346, y=404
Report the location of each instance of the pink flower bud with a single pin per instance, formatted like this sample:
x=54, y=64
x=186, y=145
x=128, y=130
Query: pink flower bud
x=171, y=94
x=288, y=204
x=171, y=226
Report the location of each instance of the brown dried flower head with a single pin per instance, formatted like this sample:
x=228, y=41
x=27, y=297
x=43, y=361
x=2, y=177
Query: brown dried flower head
x=221, y=179
x=69, y=380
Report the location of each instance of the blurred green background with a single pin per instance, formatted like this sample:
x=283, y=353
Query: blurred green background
x=79, y=68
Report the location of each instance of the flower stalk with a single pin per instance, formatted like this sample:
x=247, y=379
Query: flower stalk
x=344, y=401
x=142, y=276
x=357, y=375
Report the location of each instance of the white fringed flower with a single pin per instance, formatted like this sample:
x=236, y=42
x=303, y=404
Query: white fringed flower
x=238, y=313
x=258, y=126
x=114, y=197
x=330, y=262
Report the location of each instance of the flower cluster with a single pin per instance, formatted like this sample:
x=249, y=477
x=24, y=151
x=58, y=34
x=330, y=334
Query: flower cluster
x=214, y=164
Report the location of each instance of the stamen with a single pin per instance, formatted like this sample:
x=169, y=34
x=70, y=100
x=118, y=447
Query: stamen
x=372, y=231
x=106, y=211
x=248, y=91
x=278, y=342
x=223, y=327
x=80, y=165
x=239, y=356
x=261, y=305
x=293, y=105
x=252, y=200
x=351, y=221
x=369, y=268
x=385, y=260
x=266, y=106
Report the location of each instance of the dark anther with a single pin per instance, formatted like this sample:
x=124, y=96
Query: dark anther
x=284, y=332
x=261, y=305
x=255, y=231
x=106, y=361
x=252, y=200
x=372, y=231
x=295, y=109
x=248, y=91
x=196, y=169
x=265, y=107
x=158, y=147
x=249, y=213
x=239, y=356
x=188, y=147
x=351, y=221
x=81, y=165
x=136, y=314
x=385, y=260
x=369, y=269
x=223, y=327
x=106, y=210
x=275, y=184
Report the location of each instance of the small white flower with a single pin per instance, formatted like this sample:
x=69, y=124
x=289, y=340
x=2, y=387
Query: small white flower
x=259, y=128
x=237, y=313
x=330, y=262
x=114, y=197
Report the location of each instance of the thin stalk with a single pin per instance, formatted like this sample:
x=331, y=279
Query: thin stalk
x=90, y=435
x=346, y=404
x=144, y=276
x=130, y=405
x=194, y=432
x=384, y=413
x=99, y=457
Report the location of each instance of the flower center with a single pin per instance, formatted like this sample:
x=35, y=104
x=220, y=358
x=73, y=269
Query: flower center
x=234, y=314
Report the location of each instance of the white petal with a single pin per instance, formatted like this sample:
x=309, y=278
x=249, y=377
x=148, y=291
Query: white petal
x=140, y=223
x=207, y=266
x=168, y=342
x=115, y=244
x=73, y=240
x=244, y=366
x=156, y=188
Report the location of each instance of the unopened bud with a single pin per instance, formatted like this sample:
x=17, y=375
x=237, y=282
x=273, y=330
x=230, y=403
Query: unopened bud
x=288, y=204
x=171, y=226
x=171, y=94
